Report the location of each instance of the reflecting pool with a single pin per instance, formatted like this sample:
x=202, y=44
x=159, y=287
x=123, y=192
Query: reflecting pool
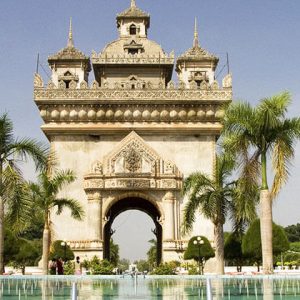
x=150, y=287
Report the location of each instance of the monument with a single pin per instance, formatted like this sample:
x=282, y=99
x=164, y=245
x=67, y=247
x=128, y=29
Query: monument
x=132, y=135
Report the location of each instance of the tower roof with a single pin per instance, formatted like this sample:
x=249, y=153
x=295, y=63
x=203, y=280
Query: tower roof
x=69, y=52
x=197, y=53
x=133, y=12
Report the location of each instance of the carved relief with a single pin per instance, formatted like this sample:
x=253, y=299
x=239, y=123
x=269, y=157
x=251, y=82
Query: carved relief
x=83, y=84
x=203, y=85
x=97, y=168
x=133, y=165
x=215, y=85
x=106, y=94
x=51, y=85
x=133, y=160
x=133, y=156
x=72, y=84
x=227, y=81
x=193, y=85
x=171, y=85
x=93, y=183
x=95, y=84
x=181, y=85
x=61, y=84
x=168, y=167
x=38, y=81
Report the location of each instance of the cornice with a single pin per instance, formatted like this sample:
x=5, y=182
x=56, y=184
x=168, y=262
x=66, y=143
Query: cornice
x=123, y=128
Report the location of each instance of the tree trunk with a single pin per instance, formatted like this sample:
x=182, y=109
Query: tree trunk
x=268, y=289
x=266, y=231
x=45, y=249
x=219, y=244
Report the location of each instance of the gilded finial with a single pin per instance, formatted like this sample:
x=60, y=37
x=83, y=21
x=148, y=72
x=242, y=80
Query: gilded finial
x=70, y=37
x=196, y=37
x=133, y=4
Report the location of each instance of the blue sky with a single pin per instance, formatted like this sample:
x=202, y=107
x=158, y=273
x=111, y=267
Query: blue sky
x=262, y=38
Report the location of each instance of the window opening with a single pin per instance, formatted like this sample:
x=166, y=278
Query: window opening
x=132, y=29
x=133, y=51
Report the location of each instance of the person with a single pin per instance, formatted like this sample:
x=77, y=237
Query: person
x=77, y=266
x=52, y=266
x=60, y=267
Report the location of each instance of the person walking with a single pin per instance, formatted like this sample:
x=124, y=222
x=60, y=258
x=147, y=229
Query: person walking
x=77, y=266
x=52, y=266
x=60, y=267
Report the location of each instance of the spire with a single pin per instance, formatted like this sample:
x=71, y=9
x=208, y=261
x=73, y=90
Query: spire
x=70, y=37
x=196, y=37
x=133, y=4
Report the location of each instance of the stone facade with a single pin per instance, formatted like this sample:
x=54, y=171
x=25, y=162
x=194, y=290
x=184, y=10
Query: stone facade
x=132, y=133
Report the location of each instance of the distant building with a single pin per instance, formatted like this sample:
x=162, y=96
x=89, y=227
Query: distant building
x=131, y=135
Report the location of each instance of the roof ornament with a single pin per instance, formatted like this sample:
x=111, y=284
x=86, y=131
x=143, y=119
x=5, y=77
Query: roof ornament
x=70, y=37
x=133, y=4
x=196, y=37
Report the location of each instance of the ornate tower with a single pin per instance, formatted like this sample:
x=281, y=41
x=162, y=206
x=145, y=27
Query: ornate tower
x=133, y=61
x=69, y=66
x=133, y=134
x=196, y=66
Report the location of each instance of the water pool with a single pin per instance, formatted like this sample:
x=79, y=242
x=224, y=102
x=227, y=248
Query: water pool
x=150, y=287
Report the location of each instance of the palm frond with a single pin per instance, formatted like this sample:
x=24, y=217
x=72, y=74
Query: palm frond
x=274, y=108
x=243, y=205
x=283, y=152
x=74, y=206
x=11, y=174
x=189, y=214
x=26, y=147
x=18, y=203
x=6, y=134
x=61, y=178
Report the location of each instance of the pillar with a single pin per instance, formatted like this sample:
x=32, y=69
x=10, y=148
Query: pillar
x=169, y=223
x=95, y=216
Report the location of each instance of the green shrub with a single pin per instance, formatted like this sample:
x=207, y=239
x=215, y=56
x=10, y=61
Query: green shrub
x=295, y=246
x=164, y=269
x=251, y=244
x=99, y=267
x=192, y=269
x=69, y=268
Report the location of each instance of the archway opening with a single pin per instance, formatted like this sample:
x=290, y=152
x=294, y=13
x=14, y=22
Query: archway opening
x=129, y=204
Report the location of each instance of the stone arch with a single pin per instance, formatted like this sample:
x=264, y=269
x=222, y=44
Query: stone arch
x=132, y=201
x=136, y=194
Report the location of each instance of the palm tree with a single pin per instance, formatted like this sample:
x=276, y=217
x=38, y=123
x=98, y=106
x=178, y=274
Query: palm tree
x=12, y=151
x=254, y=134
x=44, y=196
x=216, y=197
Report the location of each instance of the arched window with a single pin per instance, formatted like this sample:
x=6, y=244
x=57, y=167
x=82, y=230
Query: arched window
x=67, y=78
x=132, y=30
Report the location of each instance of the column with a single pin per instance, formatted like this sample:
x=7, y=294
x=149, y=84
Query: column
x=95, y=216
x=169, y=224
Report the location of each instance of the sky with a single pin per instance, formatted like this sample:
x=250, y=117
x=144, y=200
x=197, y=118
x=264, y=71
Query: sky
x=261, y=37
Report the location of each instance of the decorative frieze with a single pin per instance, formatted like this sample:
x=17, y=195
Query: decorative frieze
x=85, y=245
x=178, y=245
x=101, y=94
x=127, y=113
x=138, y=58
x=133, y=165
